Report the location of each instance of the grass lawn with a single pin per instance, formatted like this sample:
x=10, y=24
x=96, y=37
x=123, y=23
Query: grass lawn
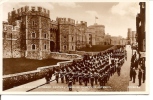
x=17, y=65
x=95, y=48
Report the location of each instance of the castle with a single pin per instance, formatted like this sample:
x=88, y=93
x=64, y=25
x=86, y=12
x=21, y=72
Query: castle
x=31, y=33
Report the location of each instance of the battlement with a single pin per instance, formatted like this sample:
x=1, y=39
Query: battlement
x=53, y=22
x=30, y=10
x=129, y=29
x=65, y=21
x=81, y=23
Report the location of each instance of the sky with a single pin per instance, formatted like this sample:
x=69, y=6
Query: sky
x=117, y=17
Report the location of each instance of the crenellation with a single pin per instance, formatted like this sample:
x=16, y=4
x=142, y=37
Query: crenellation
x=39, y=35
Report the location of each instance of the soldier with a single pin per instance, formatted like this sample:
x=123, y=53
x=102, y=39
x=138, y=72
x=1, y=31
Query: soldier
x=101, y=81
x=62, y=76
x=80, y=76
x=47, y=77
x=96, y=77
x=85, y=78
x=118, y=69
x=105, y=78
x=74, y=76
x=66, y=75
x=56, y=75
x=92, y=79
x=70, y=81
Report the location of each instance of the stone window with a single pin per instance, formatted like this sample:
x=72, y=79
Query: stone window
x=33, y=23
x=64, y=37
x=45, y=36
x=64, y=47
x=33, y=35
x=33, y=46
x=72, y=47
x=45, y=47
x=72, y=39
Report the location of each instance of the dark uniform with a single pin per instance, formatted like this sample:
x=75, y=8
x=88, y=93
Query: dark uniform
x=92, y=79
x=85, y=78
x=47, y=77
x=140, y=76
x=70, y=81
x=133, y=75
x=101, y=81
x=80, y=76
x=57, y=76
x=62, y=76
x=96, y=77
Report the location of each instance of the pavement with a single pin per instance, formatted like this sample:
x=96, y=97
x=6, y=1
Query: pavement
x=115, y=84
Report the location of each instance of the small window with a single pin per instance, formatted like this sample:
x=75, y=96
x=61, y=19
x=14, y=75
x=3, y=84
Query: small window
x=72, y=39
x=64, y=47
x=45, y=46
x=65, y=37
x=33, y=47
x=33, y=23
x=72, y=47
x=33, y=35
x=45, y=36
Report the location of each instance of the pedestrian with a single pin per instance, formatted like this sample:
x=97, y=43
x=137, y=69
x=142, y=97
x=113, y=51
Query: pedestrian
x=140, y=77
x=131, y=71
x=134, y=75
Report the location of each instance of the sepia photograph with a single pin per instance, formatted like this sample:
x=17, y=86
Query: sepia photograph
x=74, y=47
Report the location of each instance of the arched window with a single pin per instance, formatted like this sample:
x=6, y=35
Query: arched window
x=64, y=47
x=45, y=47
x=72, y=47
x=45, y=36
x=72, y=39
x=33, y=46
x=33, y=35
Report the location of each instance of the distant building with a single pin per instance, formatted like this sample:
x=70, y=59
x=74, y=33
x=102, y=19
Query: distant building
x=107, y=39
x=99, y=33
x=131, y=36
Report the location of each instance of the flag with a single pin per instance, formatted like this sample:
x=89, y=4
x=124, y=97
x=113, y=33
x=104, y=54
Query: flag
x=96, y=17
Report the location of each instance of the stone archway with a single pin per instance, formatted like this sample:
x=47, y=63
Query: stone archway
x=52, y=46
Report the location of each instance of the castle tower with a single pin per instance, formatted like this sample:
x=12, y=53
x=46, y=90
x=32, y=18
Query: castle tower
x=129, y=36
x=67, y=34
x=35, y=29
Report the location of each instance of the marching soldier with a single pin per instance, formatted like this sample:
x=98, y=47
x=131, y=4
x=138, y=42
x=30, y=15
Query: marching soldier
x=56, y=75
x=80, y=76
x=101, y=81
x=85, y=78
x=92, y=79
x=62, y=76
x=96, y=77
x=70, y=81
x=74, y=76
